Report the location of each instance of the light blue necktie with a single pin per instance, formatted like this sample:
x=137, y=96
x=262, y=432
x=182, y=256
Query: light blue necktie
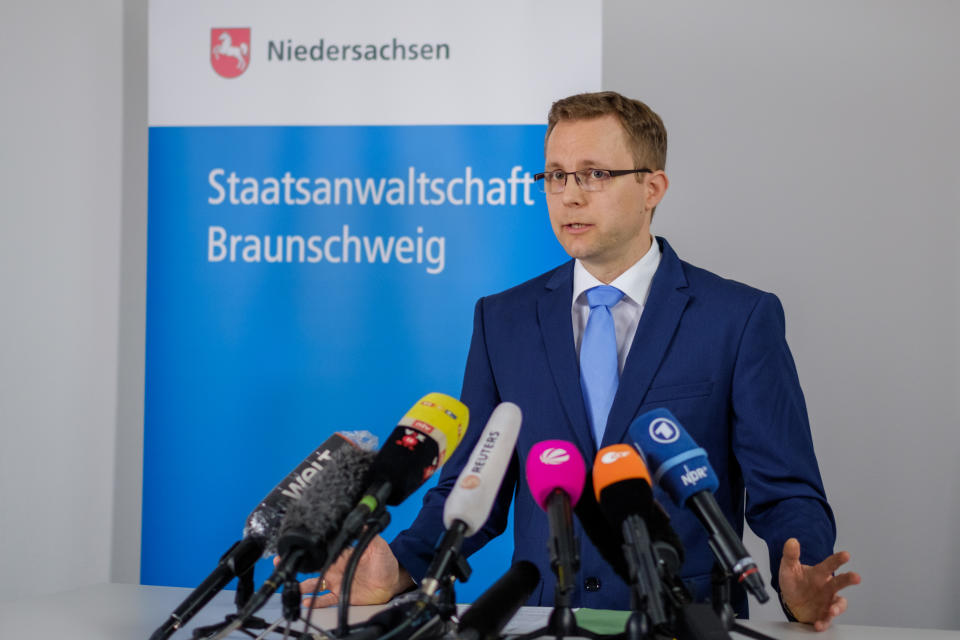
x=599, y=376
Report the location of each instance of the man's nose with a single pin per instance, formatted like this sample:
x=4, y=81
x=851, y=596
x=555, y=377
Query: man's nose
x=573, y=193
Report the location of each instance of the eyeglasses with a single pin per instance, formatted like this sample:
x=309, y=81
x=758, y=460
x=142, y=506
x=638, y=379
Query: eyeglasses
x=588, y=179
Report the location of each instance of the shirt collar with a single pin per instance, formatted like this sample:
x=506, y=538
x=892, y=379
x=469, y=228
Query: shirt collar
x=634, y=282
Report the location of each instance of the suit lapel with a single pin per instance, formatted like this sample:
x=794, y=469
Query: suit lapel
x=553, y=311
x=661, y=316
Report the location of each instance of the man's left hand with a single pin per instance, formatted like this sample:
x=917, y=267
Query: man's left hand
x=811, y=593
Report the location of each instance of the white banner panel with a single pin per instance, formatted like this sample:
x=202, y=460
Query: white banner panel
x=416, y=62
x=332, y=186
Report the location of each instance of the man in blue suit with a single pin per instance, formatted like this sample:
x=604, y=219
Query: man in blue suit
x=710, y=350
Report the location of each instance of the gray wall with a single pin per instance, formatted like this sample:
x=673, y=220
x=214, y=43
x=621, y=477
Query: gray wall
x=60, y=183
x=812, y=153
x=128, y=465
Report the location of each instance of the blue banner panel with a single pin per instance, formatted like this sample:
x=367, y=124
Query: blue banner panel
x=304, y=280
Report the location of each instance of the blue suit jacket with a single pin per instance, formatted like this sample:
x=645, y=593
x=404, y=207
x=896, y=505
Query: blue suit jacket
x=710, y=350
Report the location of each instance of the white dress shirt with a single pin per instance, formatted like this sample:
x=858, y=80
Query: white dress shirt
x=635, y=284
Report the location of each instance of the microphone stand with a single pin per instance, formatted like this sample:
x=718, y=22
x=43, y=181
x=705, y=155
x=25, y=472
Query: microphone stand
x=245, y=590
x=377, y=521
x=720, y=581
x=423, y=612
x=646, y=594
x=720, y=594
x=437, y=595
x=565, y=562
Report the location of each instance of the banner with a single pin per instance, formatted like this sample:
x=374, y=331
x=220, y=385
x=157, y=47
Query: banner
x=331, y=188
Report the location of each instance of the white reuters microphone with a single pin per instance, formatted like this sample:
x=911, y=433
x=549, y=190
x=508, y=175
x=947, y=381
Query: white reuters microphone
x=471, y=499
x=469, y=503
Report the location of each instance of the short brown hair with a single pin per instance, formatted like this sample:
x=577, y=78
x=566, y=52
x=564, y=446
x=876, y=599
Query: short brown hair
x=645, y=131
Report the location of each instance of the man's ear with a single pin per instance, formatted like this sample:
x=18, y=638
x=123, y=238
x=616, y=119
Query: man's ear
x=656, y=186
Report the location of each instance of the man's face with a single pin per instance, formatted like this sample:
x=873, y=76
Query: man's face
x=607, y=230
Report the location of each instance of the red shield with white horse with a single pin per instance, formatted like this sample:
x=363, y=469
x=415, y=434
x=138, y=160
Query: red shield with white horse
x=230, y=51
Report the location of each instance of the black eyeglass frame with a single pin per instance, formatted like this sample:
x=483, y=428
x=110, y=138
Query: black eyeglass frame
x=614, y=173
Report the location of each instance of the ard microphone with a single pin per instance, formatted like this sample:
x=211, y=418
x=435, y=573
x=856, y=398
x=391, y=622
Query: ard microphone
x=556, y=474
x=491, y=612
x=469, y=503
x=261, y=527
x=682, y=469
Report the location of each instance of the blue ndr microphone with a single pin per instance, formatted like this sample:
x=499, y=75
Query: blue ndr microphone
x=681, y=468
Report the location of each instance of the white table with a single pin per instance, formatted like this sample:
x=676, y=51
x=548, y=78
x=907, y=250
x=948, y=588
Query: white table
x=132, y=612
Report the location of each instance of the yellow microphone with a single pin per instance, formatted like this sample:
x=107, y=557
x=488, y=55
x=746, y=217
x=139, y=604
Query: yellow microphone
x=439, y=417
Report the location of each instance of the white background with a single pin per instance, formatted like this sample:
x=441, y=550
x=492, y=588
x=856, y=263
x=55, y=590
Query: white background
x=813, y=152
x=490, y=77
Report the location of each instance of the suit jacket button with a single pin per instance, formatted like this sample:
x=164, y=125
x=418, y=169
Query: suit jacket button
x=591, y=584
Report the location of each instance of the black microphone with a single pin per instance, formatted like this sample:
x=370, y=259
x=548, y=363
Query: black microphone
x=260, y=529
x=491, y=612
x=682, y=469
x=424, y=439
x=622, y=485
x=311, y=522
x=555, y=474
x=608, y=539
x=605, y=538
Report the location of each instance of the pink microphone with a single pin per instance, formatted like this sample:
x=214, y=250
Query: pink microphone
x=556, y=474
x=555, y=464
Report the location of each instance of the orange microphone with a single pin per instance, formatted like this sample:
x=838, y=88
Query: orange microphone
x=622, y=485
x=621, y=482
x=618, y=463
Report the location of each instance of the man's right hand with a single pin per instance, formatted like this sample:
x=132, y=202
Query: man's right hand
x=378, y=578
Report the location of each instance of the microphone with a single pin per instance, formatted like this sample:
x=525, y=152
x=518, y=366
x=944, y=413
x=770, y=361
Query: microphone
x=469, y=503
x=622, y=485
x=556, y=474
x=466, y=509
x=261, y=527
x=682, y=469
x=491, y=612
x=315, y=518
x=422, y=441
x=605, y=538
x=310, y=522
x=266, y=519
x=471, y=499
